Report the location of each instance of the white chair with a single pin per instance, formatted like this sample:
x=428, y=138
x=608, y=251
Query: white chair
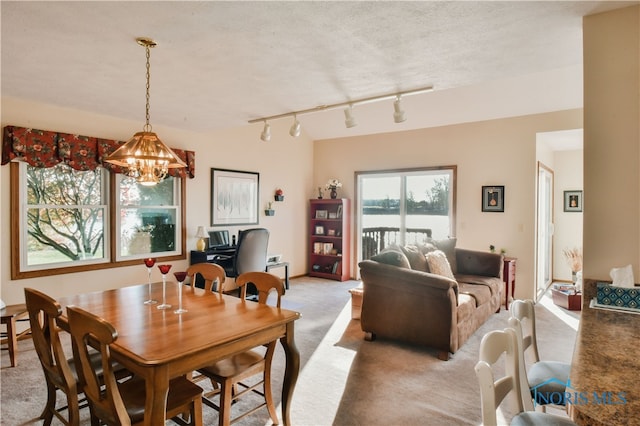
x=544, y=377
x=494, y=345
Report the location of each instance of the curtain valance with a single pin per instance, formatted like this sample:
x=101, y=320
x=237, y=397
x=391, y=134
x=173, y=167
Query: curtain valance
x=44, y=148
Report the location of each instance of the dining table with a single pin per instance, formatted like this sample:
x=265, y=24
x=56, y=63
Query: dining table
x=159, y=345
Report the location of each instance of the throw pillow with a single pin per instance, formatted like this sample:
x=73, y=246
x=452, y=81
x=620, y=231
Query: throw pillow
x=438, y=264
x=392, y=257
x=416, y=258
x=448, y=246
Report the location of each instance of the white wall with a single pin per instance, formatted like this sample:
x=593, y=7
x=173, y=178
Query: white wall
x=496, y=152
x=283, y=162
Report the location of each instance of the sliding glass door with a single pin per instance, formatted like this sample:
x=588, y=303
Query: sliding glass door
x=404, y=207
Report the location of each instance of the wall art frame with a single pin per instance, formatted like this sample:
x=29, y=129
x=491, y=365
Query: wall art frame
x=493, y=198
x=234, y=197
x=573, y=201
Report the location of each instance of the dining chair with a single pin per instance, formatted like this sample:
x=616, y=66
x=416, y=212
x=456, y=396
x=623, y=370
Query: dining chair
x=230, y=372
x=122, y=402
x=250, y=255
x=493, y=391
x=544, y=377
x=210, y=273
x=59, y=372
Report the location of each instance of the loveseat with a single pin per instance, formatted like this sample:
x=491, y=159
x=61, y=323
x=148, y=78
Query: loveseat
x=435, y=295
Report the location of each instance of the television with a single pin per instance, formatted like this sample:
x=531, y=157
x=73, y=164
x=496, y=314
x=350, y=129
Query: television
x=218, y=239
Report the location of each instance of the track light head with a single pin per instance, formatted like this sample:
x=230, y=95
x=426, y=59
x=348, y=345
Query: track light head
x=266, y=132
x=398, y=115
x=295, y=128
x=349, y=121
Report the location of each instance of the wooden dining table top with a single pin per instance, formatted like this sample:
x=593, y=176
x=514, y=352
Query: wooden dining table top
x=160, y=344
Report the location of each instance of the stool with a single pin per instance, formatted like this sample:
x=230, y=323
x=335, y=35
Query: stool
x=356, y=302
x=9, y=316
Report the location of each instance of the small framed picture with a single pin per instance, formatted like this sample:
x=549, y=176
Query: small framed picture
x=572, y=201
x=331, y=232
x=493, y=198
x=321, y=214
x=333, y=215
x=319, y=230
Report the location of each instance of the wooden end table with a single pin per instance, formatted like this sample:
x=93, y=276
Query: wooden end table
x=10, y=315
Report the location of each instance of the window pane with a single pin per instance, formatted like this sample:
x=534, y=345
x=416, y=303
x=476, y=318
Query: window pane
x=428, y=205
x=64, y=217
x=148, y=218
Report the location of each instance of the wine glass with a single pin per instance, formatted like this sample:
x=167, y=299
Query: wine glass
x=149, y=264
x=180, y=277
x=164, y=270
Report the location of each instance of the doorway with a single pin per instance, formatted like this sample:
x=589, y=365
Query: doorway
x=544, y=230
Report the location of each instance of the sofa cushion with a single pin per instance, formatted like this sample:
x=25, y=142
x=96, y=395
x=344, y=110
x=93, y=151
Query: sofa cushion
x=438, y=264
x=416, y=258
x=494, y=284
x=481, y=293
x=392, y=257
x=466, y=307
x=448, y=246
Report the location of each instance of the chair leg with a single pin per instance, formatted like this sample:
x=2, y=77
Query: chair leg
x=196, y=412
x=73, y=410
x=47, y=413
x=224, y=415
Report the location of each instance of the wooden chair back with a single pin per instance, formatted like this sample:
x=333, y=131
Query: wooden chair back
x=85, y=328
x=210, y=272
x=264, y=282
x=525, y=312
x=43, y=313
x=493, y=346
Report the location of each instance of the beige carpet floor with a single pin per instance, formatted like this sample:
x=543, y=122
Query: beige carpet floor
x=343, y=380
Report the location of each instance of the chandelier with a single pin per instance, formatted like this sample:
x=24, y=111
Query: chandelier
x=145, y=157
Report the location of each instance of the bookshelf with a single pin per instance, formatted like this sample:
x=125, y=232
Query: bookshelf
x=329, y=237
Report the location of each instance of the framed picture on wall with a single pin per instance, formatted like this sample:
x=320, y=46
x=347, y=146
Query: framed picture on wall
x=572, y=201
x=493, y=198
x=234, y=197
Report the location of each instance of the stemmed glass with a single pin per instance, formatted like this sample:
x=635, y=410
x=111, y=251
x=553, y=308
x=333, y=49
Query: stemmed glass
x=149, y=264
x=164, y=270
x=180, y=277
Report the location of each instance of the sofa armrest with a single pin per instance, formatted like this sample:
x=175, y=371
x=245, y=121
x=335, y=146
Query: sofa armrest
x=475, y=262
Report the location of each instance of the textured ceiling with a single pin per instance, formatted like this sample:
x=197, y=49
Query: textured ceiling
x=220, y=64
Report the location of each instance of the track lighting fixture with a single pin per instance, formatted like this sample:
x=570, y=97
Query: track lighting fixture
x=349, y=121
x=266, y=132
x=295, y=127
x=398, y=114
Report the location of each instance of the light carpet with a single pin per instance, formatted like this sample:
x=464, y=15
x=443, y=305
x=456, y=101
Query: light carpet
x=344, y=380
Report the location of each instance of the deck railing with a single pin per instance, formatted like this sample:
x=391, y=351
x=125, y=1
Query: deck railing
x=374, y=240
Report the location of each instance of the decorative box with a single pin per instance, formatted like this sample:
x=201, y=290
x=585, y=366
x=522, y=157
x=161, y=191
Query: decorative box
x=619, y=297
x=566, y=300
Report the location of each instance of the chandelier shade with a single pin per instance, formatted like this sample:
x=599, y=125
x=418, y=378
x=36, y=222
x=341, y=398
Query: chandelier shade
x=145, y=157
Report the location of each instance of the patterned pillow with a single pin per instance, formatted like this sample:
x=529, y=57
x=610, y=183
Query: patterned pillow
x=438, y=264
x=448, y=246
x=416, y=258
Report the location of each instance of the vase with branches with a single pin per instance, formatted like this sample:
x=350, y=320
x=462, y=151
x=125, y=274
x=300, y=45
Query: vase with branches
x=573, y=257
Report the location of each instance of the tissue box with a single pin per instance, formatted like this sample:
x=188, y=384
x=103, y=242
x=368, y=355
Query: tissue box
x=620, y=297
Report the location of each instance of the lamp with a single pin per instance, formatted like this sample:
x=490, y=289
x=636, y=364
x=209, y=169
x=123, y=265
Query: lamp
x=201, y=245
x=266, y=132
x=295, y=127
x=398, y=114
x=349, y=121
x=145, y=156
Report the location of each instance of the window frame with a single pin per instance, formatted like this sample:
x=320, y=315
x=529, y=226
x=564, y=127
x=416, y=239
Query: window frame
x=111, y=240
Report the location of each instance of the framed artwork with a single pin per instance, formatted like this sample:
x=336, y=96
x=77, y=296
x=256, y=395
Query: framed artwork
x=321, y=214
x=493, y=198
x=331, y=232
x=234, y=197
x=319, y=230
x=572, y=201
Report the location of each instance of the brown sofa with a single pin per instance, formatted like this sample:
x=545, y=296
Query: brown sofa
x=404, y=301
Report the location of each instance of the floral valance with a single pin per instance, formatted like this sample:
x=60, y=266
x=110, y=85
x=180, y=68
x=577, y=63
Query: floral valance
x=44, y=148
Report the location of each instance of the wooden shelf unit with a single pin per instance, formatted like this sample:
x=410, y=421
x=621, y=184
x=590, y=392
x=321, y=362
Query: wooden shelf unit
x=329, y=238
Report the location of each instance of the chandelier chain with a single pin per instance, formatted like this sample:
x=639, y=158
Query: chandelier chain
x=147, y=126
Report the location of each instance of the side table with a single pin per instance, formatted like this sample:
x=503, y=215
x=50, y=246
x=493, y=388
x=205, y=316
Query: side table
x=9, y=316
x=286, y=271
x=509, y=278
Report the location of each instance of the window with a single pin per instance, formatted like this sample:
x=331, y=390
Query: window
x=404, y=207
x=61, y=220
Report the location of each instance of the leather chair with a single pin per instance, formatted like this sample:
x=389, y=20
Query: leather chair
x=122, y=403
x=230, y=372
x=493, y=346
x=250, y=255
x=544, y=377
